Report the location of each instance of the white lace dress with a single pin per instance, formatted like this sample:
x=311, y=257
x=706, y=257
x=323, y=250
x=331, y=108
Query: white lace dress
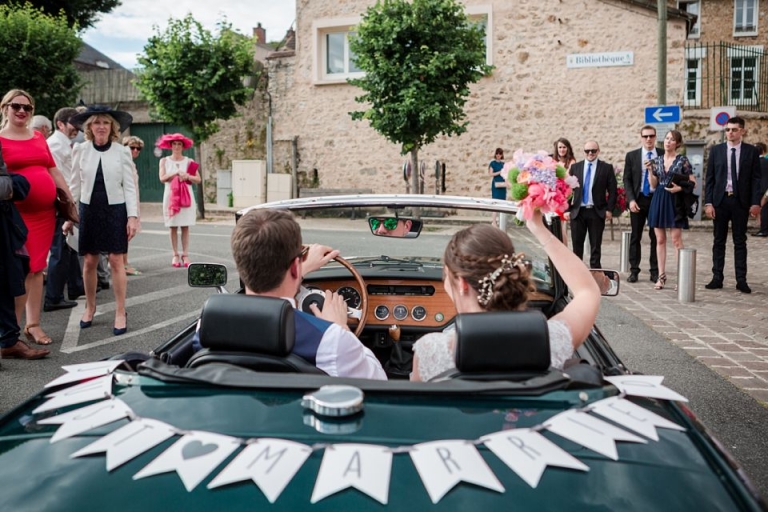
x=435, y=350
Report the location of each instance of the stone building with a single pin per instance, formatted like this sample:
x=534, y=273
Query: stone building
x=580, y=69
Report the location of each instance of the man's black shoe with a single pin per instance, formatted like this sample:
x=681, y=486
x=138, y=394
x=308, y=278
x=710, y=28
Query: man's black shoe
x=632, y=277
x=654, y=277
x=713, y=285
x=104, y=285
x=743, y=287
x=760, y=233
x=72, y=296
x=64, y=304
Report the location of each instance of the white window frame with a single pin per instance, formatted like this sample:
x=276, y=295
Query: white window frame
x=483, y=12
x=743, y=53
x=688, y=6
x=737, y=32
x=697, y=54
x=320, y=31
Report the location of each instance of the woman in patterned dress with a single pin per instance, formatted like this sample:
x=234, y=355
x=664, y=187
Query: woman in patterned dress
x=26, y=153
x=483, y=273
x=661, y=213
x=178, y=172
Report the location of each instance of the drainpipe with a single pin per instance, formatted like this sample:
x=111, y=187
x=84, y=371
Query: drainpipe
x=269, y=134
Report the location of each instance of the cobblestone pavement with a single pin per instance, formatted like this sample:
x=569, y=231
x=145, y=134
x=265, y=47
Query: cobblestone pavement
x=725, y=329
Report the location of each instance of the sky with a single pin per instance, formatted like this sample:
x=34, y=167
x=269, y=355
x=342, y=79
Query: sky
x=124, y=32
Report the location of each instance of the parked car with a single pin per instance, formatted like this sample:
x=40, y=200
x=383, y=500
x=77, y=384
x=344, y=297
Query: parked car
x=242, y=425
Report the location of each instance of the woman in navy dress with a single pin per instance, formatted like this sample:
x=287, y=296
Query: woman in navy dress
x=661, y=214
x=494, y=169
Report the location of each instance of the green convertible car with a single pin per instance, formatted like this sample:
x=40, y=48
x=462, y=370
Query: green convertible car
x=245, y=424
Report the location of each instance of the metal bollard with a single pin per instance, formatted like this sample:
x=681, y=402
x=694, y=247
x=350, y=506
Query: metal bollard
x=624, y=263
x=686, y=275
x=503, y=221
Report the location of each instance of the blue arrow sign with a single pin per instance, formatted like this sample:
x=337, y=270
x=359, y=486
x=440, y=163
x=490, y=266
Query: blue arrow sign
x=663, y=114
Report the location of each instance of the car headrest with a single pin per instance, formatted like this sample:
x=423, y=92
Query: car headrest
x=502, y=342
x=248, y=323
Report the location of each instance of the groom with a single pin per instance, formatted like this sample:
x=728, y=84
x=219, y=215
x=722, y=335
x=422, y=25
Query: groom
x=593, y=202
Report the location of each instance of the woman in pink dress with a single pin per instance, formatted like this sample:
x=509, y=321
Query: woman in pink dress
x=26, y=153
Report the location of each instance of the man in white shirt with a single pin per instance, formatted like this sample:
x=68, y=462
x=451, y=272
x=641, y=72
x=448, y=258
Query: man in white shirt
x=63, y=263
x=268, y=252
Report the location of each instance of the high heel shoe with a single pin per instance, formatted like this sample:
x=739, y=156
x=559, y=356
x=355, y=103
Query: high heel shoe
x=175, y=262
x=661, y=282
x=185, y=260
x=84, y=324
x=42, y=340
x=120, y=331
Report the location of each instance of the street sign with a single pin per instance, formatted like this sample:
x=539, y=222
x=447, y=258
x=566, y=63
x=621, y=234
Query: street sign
x=663, y=114
x=719, y=116
x=662, y=129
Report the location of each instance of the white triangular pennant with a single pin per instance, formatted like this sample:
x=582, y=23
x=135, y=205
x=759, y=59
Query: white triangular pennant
x=87, y=418
x=128, y=442
x=95, y=389
x=78, y=372
x=365, y=467
x=270, y=463
x=648, y=386
x=443, y=464
x=633, y=417
x=590, y=432
x=528, y=453
x=193, y=457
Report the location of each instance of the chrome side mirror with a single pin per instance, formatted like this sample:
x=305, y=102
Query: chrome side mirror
x=608, y=281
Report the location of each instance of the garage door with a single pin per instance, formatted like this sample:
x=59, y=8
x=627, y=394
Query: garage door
x=148, y=164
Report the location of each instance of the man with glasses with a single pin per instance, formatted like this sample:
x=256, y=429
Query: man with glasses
x=638, y=189
x=271, y=261
x=592, y=202
x=731, y=195
x=63, y=263
x=390, y=226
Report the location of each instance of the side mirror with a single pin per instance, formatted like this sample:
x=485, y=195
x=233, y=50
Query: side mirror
x=206, y=275
x=608, y=281
x=395, y=227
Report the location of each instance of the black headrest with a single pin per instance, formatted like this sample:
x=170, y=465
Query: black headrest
x=248, y=323
x=502, y=342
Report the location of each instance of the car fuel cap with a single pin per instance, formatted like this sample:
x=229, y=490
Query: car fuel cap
x=334, y=400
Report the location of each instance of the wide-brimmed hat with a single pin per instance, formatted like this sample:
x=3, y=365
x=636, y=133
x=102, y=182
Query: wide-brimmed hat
x=164, y=142
x=124, y=119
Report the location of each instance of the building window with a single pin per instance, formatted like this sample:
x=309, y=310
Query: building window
x=744, y=80
x=693, y=76
x=333, y=62
x=482, y=16
x=339, y=59
x=745, y=17
x=693, y=8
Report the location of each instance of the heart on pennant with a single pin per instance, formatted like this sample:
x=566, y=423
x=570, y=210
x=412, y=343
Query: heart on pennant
x=194, y=449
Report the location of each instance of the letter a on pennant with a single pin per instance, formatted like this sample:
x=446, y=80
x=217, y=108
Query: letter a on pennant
x=365, y=467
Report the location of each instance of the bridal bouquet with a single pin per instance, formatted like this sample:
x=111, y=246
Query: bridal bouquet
x=538, y=182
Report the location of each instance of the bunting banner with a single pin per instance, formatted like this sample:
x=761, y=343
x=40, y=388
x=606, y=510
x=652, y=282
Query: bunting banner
x=272, y=463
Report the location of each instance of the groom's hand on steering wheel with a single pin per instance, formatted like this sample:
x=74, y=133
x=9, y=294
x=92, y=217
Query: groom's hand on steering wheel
x=334, y=309
x=317, y=256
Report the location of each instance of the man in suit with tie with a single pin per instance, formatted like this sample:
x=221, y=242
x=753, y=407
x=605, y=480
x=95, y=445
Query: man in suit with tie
x=637, y=186
x=592, y=202
x=731, y=195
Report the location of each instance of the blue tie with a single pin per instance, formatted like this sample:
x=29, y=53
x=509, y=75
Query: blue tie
x=646, y=183
x=585, y=192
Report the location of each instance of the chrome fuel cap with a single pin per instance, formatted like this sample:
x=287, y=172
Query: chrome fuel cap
x=334, y=400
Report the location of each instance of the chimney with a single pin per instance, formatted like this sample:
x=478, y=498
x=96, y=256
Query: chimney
x=260, y=34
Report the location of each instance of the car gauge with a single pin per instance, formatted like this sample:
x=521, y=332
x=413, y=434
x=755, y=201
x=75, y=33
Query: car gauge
x=400, y=312
x=351, y=296
x=381, y=312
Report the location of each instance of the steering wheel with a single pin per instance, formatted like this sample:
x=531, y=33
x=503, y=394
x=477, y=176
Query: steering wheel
x=363, y=309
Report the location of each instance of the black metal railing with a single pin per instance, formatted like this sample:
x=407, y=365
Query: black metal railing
x=724, y=74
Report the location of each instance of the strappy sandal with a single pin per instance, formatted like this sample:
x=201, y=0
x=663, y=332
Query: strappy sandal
x=175, y=261
x=661, y=282
x=43, y=340
x=130, y=271
x=185, y=261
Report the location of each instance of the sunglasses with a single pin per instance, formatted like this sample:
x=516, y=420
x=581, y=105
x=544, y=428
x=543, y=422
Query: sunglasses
x=302, y=254
x=389, y=224
x=594, y=151
x=653, y=135
x=19, y=106
x=732, y=129
x=135, y=148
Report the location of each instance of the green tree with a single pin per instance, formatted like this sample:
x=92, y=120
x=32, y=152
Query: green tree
x=419, y=59
x=38, y=56
x=193, y=79
x=80, y=14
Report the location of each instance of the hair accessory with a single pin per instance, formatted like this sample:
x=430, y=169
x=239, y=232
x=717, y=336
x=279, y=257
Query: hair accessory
x=507, y=265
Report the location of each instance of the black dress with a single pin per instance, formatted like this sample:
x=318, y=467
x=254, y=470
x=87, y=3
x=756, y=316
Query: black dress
x=103, y=226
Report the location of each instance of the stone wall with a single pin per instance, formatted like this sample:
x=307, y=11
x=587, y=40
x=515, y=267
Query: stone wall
x=529, y=100
x=716, y=23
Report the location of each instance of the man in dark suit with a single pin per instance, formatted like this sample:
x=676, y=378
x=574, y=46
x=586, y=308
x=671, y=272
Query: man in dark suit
x=731, y=195
x=637, y=186
x=592, y=202
x=763, y=149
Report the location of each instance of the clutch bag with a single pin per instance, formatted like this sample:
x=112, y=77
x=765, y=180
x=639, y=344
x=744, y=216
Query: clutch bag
x=65, y=208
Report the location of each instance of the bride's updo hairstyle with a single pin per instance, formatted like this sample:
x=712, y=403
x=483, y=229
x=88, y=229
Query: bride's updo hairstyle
x=485, y=257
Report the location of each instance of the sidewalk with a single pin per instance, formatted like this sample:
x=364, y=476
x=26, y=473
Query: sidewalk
x=724, y=329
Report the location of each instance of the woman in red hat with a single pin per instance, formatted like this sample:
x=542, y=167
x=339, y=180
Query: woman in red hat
x=179, y=173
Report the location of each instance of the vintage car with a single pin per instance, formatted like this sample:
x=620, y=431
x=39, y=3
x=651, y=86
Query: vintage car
x=246, y=424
